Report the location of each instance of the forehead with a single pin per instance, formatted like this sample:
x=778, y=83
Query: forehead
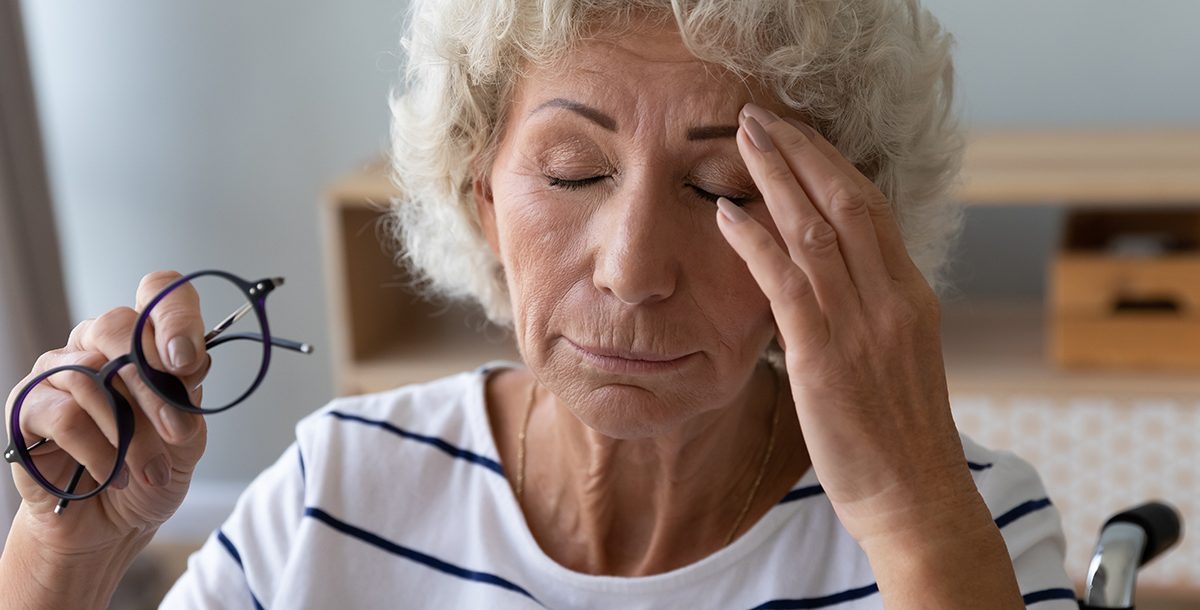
x=639, y=75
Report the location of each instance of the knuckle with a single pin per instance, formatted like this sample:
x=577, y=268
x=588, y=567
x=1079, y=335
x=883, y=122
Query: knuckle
x=90, y=359
x=903, y=314
x=47, y=360
x=79, y=332
x=847, y=199
x=877, y=202
x=819, y=237
x=114, y=322
x=795, y=287
x=155, y=280
x=152, y=283
x=69, y=419
x=762, y=241
x=172, y=320
x=778, y=171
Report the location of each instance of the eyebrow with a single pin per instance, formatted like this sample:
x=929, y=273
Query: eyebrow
x=583, y=110
x=709, y=132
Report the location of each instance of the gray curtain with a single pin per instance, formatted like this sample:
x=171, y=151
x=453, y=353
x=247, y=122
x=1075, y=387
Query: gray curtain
x=33, y=304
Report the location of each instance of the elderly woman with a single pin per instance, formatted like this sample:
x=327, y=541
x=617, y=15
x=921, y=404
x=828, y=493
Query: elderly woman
x=714, y=228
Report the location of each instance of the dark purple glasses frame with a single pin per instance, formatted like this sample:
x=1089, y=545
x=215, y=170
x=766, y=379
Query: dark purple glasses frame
x=167, y=386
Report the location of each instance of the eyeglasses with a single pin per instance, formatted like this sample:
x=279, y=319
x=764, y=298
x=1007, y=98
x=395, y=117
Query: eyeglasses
x=239, y=366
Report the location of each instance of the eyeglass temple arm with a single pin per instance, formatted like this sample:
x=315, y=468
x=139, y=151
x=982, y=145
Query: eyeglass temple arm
x=295, y=346
x=62, y=504
x=263, y=287
x=228, y=321
x=211, y=340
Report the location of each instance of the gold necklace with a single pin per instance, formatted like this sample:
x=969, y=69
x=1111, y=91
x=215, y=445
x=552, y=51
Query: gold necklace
x=762, y=468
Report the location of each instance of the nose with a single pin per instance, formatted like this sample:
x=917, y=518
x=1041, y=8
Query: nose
x=637, y=249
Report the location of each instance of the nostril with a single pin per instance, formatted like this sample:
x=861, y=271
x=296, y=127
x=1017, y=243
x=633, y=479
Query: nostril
x=636, y=286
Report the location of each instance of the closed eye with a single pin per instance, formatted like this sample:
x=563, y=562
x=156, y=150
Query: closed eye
x=738, y=201
x=580, y=183
x=573, y=184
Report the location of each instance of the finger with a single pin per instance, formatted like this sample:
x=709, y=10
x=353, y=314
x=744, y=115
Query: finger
x=88, y=393
x=48, y=412
x=107, y=338
x=75, y=340
x=110, y=335
x=177, y=319
x=836, y=196
x=887, y=229
x=811, y=241
x=793, y=301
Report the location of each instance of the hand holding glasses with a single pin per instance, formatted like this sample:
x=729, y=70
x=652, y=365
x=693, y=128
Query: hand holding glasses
x=72, y=426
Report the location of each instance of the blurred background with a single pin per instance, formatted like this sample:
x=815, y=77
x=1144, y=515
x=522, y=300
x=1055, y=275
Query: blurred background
x=138, y=136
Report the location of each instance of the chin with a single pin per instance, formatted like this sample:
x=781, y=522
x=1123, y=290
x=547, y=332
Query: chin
x=625, y=406
x=628, y=412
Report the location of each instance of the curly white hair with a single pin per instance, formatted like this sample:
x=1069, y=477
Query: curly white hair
x=874, y=76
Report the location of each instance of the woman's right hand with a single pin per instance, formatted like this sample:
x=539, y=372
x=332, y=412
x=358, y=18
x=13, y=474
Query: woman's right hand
x=167, y=442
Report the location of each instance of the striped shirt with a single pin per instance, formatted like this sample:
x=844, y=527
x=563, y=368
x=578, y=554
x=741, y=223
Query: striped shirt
x=398, y=499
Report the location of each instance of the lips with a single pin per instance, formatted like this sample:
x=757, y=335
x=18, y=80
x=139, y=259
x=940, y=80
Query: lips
x=635, y=356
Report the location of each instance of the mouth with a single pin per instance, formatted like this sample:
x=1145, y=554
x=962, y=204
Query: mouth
x=624, y=361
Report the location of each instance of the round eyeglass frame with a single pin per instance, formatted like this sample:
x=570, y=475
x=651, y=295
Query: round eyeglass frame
x=175, y=394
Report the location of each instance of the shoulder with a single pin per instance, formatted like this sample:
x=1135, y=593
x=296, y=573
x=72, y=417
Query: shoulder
x=428, y=406
x=440, y=424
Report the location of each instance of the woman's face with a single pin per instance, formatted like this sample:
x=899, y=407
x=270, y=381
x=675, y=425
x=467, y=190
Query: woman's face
x=601, y=208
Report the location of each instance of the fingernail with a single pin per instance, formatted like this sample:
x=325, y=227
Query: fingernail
x=762, y=115
x=731, y=212
x=758, y=135
x=177, y=422
x=807, y=129
x=182, y=352
x=158, y=471
x=122, y=480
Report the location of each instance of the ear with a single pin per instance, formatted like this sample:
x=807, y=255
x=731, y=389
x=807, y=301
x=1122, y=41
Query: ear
x=485, y=209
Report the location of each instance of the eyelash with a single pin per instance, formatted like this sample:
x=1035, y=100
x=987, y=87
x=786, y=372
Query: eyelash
x=572, y=185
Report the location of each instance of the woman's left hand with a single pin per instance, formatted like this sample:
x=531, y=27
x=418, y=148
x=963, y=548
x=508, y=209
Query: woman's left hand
x=860, y=328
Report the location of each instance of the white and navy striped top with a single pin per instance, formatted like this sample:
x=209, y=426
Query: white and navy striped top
x=398, y=499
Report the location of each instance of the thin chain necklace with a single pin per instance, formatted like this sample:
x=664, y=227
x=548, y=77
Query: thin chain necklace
x=762, y=468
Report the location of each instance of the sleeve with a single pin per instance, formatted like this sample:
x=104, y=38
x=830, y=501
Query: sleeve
x=1032, y=530
x=242, y=561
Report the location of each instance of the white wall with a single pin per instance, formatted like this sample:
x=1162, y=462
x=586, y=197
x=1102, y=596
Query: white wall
x=190, y=135
x=1075, y=62
x=199, y=134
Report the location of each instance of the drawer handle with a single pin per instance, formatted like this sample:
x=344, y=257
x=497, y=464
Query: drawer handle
x=1151, y=304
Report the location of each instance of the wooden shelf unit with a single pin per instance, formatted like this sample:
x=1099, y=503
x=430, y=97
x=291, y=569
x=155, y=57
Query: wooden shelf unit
x=384, y=335
x=1093, y=167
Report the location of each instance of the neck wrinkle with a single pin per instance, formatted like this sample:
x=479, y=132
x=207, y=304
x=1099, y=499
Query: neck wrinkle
x=647, y=506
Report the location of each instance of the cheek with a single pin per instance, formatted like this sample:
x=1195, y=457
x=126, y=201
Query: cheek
x=540, y=247
x=730, y=299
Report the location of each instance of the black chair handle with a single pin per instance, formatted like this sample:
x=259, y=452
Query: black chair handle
x=1161, y=522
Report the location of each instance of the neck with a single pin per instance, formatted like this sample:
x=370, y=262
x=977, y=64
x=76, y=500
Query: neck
x=629, y=507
